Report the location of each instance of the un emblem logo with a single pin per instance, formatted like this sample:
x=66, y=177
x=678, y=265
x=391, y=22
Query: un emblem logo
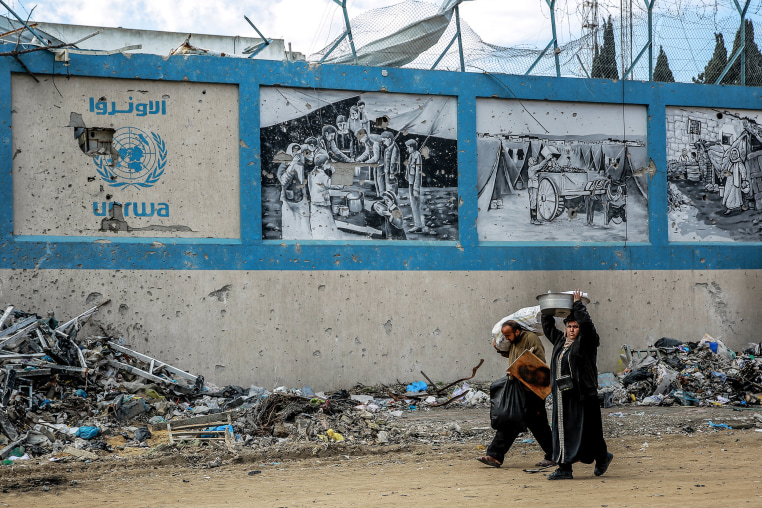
x=141, y=160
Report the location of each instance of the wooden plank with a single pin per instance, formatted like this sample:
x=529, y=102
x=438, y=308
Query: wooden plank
x=199, y=439
x=198, y=431
x=212, y=418
x=178, y=428
x=79, y=453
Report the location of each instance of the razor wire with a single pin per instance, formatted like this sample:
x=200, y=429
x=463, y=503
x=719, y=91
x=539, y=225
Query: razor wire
x=684, y=29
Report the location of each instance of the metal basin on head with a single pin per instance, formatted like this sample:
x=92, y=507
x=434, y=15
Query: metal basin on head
x=558, y=304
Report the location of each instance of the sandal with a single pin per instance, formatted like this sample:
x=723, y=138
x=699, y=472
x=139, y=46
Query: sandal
x=489, y=461
x=545, y=463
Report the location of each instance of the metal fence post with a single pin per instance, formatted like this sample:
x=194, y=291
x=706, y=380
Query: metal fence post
x=650, y=7
x=42, y=41
x=648, y=46
x=460, y=40
x=552, y=5
x=553, y=42
x=347, y=32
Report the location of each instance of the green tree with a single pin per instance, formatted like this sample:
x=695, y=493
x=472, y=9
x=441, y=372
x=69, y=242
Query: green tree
x=662, y=72
x=596, y=72
x=753, y=60
x=608, y=52
x=716, y=64
x=604, y=61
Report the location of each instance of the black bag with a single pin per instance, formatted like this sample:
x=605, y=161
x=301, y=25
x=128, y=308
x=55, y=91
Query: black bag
x=507, y=404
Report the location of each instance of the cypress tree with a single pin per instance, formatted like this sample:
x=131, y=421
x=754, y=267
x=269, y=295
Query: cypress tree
x=753, y=56
x=662, y=72
x=596, y=71
x=608, y=52
x=716, y=64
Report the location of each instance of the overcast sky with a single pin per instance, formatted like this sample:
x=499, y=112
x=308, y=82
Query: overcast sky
x=307, y=24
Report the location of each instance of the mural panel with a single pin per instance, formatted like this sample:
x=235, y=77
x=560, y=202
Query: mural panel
x=714, y=174
x=125, y=158
x=561, y=171
x=339, y=165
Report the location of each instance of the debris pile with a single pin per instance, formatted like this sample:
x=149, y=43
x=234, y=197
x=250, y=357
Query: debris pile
x=66, y=396
x=687, y=373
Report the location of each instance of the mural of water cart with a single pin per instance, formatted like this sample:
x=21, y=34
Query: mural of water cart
x=569, y=172
x=344, y=165
x=714, y=174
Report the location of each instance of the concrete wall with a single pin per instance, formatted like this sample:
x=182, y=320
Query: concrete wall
x=238, y=308
x=333, y=329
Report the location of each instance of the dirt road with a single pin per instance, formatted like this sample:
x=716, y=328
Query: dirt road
x=708, y=467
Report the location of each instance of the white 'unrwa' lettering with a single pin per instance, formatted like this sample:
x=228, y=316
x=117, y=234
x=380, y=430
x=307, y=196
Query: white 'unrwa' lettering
x=138, y=209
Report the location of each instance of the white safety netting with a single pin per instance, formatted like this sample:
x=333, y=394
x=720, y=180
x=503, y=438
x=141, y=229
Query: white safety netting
x=416, y=34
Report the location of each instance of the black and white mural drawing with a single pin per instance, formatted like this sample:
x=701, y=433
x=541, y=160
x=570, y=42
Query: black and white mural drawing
x=714, y=174
x=557, y=171
x=339, y=165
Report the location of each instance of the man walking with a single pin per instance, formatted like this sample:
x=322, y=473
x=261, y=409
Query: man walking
x=536, y=418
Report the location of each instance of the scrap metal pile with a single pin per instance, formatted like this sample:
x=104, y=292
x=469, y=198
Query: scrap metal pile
x=688, y=373
x=65, y=395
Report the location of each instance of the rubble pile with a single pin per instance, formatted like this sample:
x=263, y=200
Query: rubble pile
x=688, y=373
x=64, y=395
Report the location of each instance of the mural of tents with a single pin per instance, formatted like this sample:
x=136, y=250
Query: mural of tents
x=497, y=173
x=624, y=172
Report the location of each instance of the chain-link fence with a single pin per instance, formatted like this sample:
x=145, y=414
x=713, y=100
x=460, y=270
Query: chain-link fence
x=691, y=40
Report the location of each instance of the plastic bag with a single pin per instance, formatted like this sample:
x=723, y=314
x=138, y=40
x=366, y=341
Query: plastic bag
x=417, y=386
x=716, y=346
x=141, y=434
x=507, y=404
x=526, y=317
x=87, y=432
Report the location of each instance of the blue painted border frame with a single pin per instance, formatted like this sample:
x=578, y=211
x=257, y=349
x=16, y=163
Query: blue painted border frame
x=250, y=252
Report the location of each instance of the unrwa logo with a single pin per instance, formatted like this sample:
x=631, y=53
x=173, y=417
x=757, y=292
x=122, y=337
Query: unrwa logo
x=140, y=161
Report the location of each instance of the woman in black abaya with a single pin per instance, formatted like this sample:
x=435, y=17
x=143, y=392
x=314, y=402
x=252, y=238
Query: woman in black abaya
x=577, y=426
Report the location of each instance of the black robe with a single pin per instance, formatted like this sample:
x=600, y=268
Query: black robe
x=577, y=425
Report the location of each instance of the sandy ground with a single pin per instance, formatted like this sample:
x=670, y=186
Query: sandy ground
x=707, y=467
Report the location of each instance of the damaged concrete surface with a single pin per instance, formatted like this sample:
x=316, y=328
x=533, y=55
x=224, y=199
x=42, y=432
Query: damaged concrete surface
x=265, y=327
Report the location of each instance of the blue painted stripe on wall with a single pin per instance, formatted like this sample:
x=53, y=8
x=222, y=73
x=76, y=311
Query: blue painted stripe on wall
x=252, y=253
